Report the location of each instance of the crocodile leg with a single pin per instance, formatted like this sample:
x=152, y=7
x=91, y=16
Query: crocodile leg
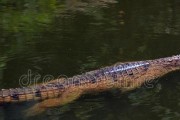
x=67, y=97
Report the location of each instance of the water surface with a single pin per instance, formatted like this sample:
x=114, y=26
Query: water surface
x=69, y=37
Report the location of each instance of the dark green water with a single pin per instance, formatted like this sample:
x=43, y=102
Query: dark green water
x=69, y=37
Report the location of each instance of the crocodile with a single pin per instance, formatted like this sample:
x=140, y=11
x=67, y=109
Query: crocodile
x=124, y=76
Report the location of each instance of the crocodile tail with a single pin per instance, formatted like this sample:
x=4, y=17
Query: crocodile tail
x=39, y=92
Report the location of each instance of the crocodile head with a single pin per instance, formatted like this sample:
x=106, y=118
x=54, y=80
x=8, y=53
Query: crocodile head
x=172, y=62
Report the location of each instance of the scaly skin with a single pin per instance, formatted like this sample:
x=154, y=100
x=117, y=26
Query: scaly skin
x=126, y=76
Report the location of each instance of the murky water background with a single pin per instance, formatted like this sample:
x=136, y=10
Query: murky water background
x=69, y=37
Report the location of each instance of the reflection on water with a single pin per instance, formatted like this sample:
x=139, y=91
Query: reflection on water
x=71, y=36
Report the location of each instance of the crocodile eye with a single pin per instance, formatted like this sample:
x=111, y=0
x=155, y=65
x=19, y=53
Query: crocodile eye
x=169, y=60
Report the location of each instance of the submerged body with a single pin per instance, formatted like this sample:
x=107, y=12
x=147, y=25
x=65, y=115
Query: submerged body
x=126, y=76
